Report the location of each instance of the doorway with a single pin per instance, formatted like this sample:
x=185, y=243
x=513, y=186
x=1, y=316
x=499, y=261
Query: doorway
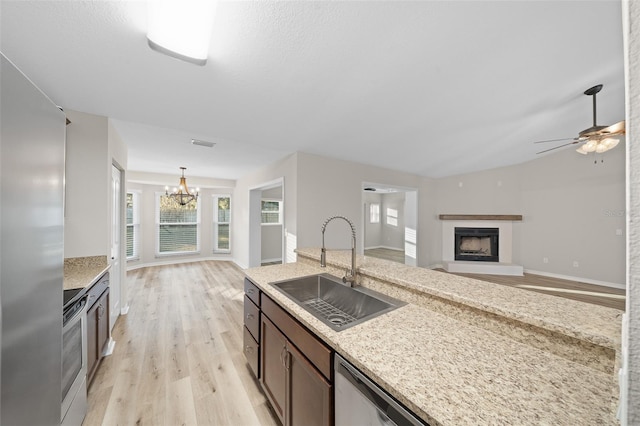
x=267, y=224
x=390, y=222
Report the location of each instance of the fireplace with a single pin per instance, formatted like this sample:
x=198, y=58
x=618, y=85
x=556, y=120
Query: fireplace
x=476, y=244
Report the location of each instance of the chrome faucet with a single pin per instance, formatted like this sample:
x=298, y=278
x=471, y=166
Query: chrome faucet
x=349, y=276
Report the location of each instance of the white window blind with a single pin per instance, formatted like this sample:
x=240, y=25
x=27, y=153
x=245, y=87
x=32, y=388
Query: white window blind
x=374, y=213
x=221, y=223
x=178, y=226
x=271, y=212
x=133, y=226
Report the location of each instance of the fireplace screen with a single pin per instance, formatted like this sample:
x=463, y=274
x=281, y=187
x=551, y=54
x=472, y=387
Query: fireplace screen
x=476, y=244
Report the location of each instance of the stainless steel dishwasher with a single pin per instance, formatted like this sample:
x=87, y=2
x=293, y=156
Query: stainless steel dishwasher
x=359, y=401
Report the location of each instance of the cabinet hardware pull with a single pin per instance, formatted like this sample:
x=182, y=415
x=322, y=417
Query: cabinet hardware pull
x=250, y=291
x=250, y=316
x=283, y=353
x=249, y=349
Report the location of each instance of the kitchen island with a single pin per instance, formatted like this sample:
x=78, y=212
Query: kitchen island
x=464, y=351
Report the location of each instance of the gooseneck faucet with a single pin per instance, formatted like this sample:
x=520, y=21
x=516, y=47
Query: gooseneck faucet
x=349, y=276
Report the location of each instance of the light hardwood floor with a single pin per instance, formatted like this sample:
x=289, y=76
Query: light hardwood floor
x=178, y=357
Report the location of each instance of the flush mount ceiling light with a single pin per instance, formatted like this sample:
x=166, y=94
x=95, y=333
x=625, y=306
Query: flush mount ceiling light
x=181, y=28
x=181, y=194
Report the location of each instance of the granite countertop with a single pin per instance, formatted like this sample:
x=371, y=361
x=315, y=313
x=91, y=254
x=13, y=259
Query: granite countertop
x=450, y=372
x=593, y=323
x=83, y=272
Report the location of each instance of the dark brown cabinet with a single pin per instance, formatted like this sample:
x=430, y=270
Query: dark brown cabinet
x=309, y=392
x=293, y=365
x=97, y=325
x=298, y=391
x=251, y=337
x=272, y=362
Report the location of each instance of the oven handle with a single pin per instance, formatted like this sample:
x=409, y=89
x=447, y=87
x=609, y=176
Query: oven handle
x=78, y=314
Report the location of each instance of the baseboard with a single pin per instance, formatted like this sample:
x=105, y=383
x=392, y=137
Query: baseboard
x=384, y=247
x=578, y=279
x=108, y=350
x=176, y=261
x=279, y=259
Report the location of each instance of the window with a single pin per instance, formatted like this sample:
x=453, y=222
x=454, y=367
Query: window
x=133, y=225
x=221, y=223
x=271, y=212
x=374, y=213
x=392, y=217
x=178, y=226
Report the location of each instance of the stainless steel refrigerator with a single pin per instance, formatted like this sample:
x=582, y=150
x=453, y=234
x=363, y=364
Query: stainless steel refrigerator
x=32, y=141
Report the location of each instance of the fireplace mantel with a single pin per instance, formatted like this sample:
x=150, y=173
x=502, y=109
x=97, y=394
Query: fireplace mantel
x=512, y=217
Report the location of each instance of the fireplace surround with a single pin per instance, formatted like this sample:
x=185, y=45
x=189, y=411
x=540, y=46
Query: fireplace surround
x=503, y=265
x=476, y=244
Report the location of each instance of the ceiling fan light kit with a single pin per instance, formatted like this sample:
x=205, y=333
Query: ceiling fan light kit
x=596, y=138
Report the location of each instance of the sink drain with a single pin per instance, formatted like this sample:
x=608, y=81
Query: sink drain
x=338, y=320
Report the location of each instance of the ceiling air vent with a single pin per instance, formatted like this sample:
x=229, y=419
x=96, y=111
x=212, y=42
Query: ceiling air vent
x=202, y=143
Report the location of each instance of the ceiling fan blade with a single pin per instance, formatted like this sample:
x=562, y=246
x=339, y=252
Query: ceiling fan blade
x=560, y=146
x=615, y=129
x=555, y=140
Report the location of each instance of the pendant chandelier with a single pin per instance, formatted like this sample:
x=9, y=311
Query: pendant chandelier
x=181, y=194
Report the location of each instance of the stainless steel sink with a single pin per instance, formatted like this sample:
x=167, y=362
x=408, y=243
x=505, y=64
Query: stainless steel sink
x=335, y=304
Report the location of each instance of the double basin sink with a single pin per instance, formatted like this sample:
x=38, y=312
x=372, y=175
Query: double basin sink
x=338, y=306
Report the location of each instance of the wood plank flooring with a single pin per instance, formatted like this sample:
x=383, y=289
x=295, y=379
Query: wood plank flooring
x=590, y=293
x=386, y=254
x=178, y=357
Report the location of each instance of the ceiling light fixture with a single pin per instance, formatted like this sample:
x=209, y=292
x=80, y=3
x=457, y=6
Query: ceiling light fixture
x=181, y=28
x=181, y=194
x=598, y=146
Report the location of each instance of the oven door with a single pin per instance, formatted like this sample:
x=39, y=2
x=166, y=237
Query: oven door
x=74, y=364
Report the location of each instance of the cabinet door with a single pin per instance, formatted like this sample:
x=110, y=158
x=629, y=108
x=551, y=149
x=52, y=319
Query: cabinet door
x=103, y=322
x=309, y=393
x=272, y=370
x=92, y=340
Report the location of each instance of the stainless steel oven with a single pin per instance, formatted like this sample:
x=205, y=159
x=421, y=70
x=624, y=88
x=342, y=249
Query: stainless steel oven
x=74, y=362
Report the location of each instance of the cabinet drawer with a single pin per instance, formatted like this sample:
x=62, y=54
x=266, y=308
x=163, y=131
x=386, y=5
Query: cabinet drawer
x=97, y=289
x=251, y=352
x=317, y=352
x=252, y=318
x=252, y=291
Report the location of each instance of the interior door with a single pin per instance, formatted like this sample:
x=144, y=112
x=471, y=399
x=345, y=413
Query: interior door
x=114, y=273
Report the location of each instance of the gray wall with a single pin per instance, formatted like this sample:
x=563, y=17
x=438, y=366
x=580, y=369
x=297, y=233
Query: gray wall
x=572, y=210
x=392, y=235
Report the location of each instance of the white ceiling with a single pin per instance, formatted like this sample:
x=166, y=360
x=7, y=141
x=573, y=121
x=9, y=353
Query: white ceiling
x=433, y=88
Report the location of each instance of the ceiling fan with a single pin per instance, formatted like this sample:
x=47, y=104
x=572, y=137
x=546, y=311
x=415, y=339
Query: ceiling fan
x=596, y=138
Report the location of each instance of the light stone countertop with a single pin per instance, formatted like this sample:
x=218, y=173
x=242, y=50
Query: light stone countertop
x=83, y=272
x=593, y=323
x=450, y=372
